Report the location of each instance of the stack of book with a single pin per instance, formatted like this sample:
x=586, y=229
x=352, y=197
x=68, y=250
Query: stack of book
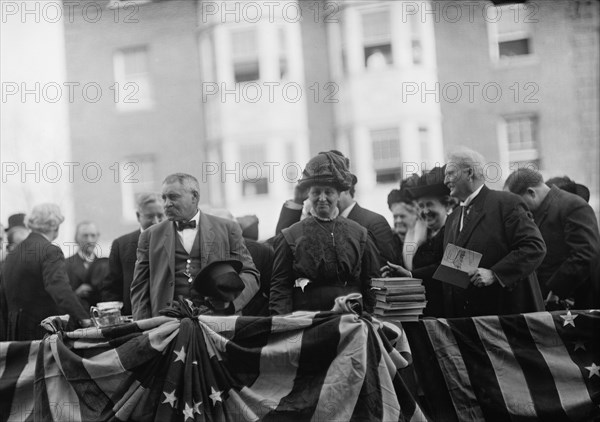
x=399, y=298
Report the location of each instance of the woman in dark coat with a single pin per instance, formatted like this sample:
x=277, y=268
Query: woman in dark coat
x=323, y=256
x=434, y=201
x=35, y=281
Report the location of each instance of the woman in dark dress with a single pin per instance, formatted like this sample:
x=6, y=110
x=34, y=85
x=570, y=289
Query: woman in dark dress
x=435, y=203
x=323, y=256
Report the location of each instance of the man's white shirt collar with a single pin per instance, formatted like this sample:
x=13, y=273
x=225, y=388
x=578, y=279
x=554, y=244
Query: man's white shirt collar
x=348, y=210
x=471, y=197
x=187, y=235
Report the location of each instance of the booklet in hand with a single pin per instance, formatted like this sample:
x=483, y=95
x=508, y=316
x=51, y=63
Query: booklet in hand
x=456, y=265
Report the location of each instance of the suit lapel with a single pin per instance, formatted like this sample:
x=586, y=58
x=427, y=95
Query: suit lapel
x=169, y=246
x=452, y=225
x=207, y=237
x=475, y=215
x=353, y=215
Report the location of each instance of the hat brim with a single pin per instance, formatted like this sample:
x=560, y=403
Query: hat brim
x=307, y=182
x=225, y=287
x=438, y=190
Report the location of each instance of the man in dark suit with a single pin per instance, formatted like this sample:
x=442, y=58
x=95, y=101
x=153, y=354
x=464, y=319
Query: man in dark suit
x=121, y=261
x=377, y=226
x=35, y=281
x=86, y=237
x=570, y=230
x=499, y=226
x=170, y=254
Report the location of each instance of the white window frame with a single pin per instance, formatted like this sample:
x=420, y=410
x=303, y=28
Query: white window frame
x=381, y=40
x=129, y=96
x=520, y=155
x=393, y=163
x=495, y=38
x=248, y=57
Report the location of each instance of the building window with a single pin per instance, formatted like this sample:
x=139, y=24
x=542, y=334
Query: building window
x=377, y=38
x=245, y=56
x=416, y=26
x=511, y=36
x=255, y=175
x=283, y=60
x=386, y=155
x=133, y=90
x=522, y=140
x=136, y=174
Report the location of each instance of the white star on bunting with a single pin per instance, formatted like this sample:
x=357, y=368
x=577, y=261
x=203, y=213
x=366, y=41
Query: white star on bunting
x=579, y=345
x=569, y=319
x=170, y=398
x=594, y=370
x=188, y=412
x=180, y=355
x=197, y=408
x=215, y=396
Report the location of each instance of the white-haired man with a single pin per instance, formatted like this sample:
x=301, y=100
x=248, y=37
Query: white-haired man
x=170, y=254
x=35, y=280
x=499, y=226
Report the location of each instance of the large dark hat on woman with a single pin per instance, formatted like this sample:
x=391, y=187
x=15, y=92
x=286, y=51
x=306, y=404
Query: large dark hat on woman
x=431, y=184
x=327, y=168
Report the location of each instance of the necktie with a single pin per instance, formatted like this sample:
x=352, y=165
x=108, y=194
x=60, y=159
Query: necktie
x=465, y=215
x=182, y=225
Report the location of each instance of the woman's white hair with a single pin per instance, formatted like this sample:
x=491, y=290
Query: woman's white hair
x=467, y=158
x=45, y=218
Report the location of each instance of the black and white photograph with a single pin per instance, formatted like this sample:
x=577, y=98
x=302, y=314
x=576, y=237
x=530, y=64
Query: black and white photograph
x=300, y=210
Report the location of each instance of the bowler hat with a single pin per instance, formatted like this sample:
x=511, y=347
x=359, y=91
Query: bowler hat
x=327, y=168
x=16, y=220
x=220, y=280
x=431, y=184
x=565, y=183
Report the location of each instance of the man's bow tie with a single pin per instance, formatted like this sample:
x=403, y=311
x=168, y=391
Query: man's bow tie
x=182, y=225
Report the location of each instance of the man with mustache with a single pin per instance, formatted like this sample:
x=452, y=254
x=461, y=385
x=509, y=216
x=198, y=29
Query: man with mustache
x=170, y=254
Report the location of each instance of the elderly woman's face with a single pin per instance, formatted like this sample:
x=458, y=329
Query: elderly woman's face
x=405, y=217
x=324, y=200
x=433, y=212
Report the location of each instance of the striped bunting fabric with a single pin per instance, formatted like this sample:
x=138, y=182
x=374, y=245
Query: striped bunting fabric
x=301, y=367
x=531, y=367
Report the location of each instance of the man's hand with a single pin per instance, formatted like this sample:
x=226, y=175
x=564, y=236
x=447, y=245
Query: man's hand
x=394, y=270
x=84, y=291
x=482, y=277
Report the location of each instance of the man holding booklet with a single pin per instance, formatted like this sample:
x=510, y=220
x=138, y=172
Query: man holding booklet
x=498, y=226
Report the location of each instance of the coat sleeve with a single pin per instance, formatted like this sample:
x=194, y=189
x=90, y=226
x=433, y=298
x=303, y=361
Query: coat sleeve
x=249, y=274
x=112, y=286
x=280, y=298
x=525, y=243
x=140, y=286
x=369, y=270
x=287, y=217
x=56, y=283
x=382, y=236
x=582, y=239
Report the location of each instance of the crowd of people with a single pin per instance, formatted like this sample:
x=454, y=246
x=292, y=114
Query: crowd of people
x=539, y=242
